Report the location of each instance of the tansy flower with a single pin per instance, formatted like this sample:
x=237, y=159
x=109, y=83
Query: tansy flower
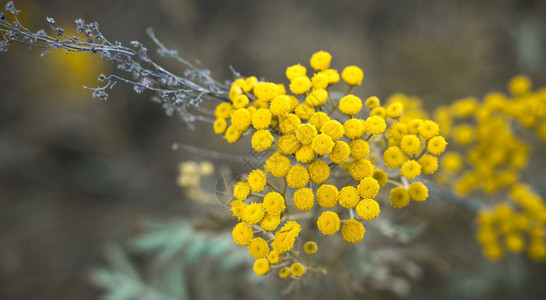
x=328, y=223
x=320, y=60
x=319, y=81
x=352, y=231
x=413, y=126
x=273, y=257
x=274, y=203
x=258, y=248
x=378, y=112
x=232, y=134
x=352, y=75
x=418, y=191
x=333, y=128
x=223, y=110
x=429, y=164
x=242, y=234
x=300, y=85
x=257, y=180
x=241, y=190
x=260, y=104
x=451, y=162
x=375, y=125
x=359, y=149
x=394, y=110
x=295, y=71
x=304, y=199
x=368, y=187
x=316, y=97
x=322, y=144
x=270, y=222
x=261, y=266
x=261, y=119
x=428, y=129
x=380, y=176
x=410, y=144
x=348, y=197
x=463, y=134
x=288, y=144
x=305, y=154
x=280, y=105
x=372, y=102
x=410, y=169
x=399, y=197
x=262, y=140
x=318, y=119
x=519, y=85
x=310, y=247
x=368, y=209
x=436, y=145
x=265, y=90
x=249, y=84
x=340, y=153
x=304, y=111
x=319, y=171
x=353, y=128
x=284, y=272
x=350, y=105
x=238, y=208
x=297, y=176
x=327, y=195
x=297, y=269
x=253, y=213
x=393, y=157
x=332, y=74
x=219, y=126
x=286, y=237
x=277, y=164
x=361, y=168
x=241, y=119
x=240, y=101
x=305, y=133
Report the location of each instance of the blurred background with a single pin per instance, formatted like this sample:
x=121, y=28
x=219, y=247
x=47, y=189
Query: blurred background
x=77, y=173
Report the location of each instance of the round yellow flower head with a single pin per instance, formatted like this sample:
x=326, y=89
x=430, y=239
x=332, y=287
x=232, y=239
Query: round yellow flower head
x=394, y=110
x=452, y=162
x=232, y=134
x=295, y=71
x=253, y=213
x=240, y=101
x=242, y=234
x=368, y=187
x=305, y=154
x=378, y=112
x=310, y=248
x=262, y=140
x=368, y=209
x=327, y=195
x=241, y=190
x=280, y=105
x=332, y=74
x=410, y=144
x=316, y=97
x=273, y=257
x=319, y=81
x=270, y=222
x=333, y=128
x=322, y=144
x=410, y=169
x=305, y=133
x=261, y=119
x=361, y=168
x=257, y=180
x=463, y=134
x=375, y=125
x=238, y=208
x=352, y=231
x=354, y=128
x=274, y=203
x=219, y=126
x=223, y=110
x=288, y=144
x=413, y=126
x=265, y=90
x=418, y=191
x=537, y=250
x=321, y=60
x=372, y=102
x=304, y=111
x=286, y=237
x=340, y=153
x=297, y=177
x=380, y=176
x=350, y=105
x=241, y=119
x=328, y=223
x=284, y=272
x=519, y=85
x=258, y=248
x=437, y=145
x=319, y=171
x=261, y=266
x=300, y=85
x=393, y=157
x=348, y=197
x=514, y=242
x=429, y=164
x=400, y=197
x=428, y=129
x=277, y=164
x=359, y=149
x=297, y=269
x=318, y=119
x=352, y=75
x=249, y=84
x=304, y=199
x=492, y=251
x=289, y=123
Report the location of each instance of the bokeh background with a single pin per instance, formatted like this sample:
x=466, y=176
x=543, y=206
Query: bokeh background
x=77, y=173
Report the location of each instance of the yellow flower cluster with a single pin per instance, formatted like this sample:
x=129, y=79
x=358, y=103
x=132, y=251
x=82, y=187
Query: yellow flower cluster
x=313, y=132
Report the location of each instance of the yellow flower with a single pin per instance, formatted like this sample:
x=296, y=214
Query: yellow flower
x=394, y=110
x=359, y=149
x=368, y=209
x=316, y=97
x=352, y=231
x=280, y=105
x=340, y=152
x=413, y=126
x=400, y=197
x=304, y=199
x=261, y=266
x=286, y=237
x=463, y=134
x=284, y=272
x=241, y=190
x=261, y=119
x=295, y=71
x=249, y=84
x=297, y=177
x=304, y=111
x=265, y=90
x=372, y=102
x=333, y=128
x=310, y=248
x=452, y=162
x=428, y=129
x=418, y=191
x=319, y=81
x=492, y=251
x=232, y=134
x=354, y=128
x=368, y=187
x=305, y=154
x=273, y=257
x=253, y=213
x=393, y=157
x=274, y=203
x=380, y=176
x=375, y=125
x=348, y=197
x=223, y=110
x=514, y=242
x=320, y=60
x=328, y=223
x=318, y=119
x=537, y=250
x=242, y=234
x=378, y=112
x=322, y=144
x=352, y=75
x=410, y=144
x=319, y=171
x=241, y=119
x=361, y=168
x=332, y=74
x=350, y=105
x=410, y=169
x=437, y=145
x=270, y=222
x=327, y=195
x=258, y=248
x=305, y=133
x=300, y=85
x=297, y=269
x=240, y=101
x=220, y=126
x=257, y=180
x=262, y=140
x=519, y=85
x=288, y=144
x=429, y=164
x=277, y=164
